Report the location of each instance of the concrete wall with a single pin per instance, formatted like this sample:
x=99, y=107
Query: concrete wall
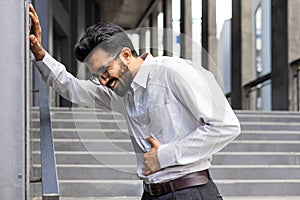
x=294, y=30
x=248, y=72
x=12, y=100
x=294, y=51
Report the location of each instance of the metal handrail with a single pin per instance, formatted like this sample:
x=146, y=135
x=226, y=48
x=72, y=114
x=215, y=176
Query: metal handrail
x=255, y=85
x=257, y=81
x=50, y=188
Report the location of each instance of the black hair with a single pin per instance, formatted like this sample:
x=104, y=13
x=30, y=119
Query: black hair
x=110, y=37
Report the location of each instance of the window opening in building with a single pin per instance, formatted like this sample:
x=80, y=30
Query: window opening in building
x=176, y=27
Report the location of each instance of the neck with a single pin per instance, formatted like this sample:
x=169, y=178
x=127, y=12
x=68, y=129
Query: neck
x=136, y=64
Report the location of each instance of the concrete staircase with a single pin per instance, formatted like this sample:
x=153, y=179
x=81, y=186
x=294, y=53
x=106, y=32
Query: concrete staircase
x=95, y=159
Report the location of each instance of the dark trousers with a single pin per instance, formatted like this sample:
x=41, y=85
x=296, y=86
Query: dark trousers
x=209, y=191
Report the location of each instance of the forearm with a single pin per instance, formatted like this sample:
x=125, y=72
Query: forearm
x=200, y=144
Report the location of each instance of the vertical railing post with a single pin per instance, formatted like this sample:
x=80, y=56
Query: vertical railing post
x=298, y=88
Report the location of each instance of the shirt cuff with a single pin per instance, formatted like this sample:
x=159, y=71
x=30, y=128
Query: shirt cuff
x=45, y=66
x=48, y=60
x=166, y=155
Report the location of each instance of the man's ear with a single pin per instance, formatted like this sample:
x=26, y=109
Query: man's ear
x=126, y=55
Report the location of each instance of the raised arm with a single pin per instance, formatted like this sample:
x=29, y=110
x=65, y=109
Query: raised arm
x=54, y=73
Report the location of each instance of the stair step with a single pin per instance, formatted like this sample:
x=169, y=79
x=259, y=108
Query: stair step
x=256, y=158
x=96, y=188
x=81, y=115
x=65, y=133
x=94, y=198
x=261, y=198
x=103, y=115
x=93, y=172
x=245, y=188
x=91, y=158
x=100, y=188
x=270, y=113
x=102, y=198
x=256, y=172
x=121, y=124
x=126, y=146
x=270, y=135
x=129, y=158
x=225, y=198
x=128, y=172
x=87, y=123
x=259, y=187
x=269, y=118
x=262, y=146
x=287, y=126
x=87, y=144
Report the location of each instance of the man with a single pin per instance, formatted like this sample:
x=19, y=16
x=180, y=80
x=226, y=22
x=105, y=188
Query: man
x=176, y=114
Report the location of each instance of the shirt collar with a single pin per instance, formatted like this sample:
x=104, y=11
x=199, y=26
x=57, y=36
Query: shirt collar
x=141, y=77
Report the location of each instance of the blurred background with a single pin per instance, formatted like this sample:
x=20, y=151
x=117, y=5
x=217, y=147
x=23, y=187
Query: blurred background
x=252, y=44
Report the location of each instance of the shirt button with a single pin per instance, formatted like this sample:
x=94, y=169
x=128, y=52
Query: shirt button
x=148, y=147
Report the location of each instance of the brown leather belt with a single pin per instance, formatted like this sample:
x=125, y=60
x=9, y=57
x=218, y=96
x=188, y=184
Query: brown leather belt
x=190, y=180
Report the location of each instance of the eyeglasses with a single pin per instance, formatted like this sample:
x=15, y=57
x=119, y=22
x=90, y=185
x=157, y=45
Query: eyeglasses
x=102, y=71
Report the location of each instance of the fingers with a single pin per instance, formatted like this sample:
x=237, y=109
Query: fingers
x=33, y=15
x=34, y=18
x=35, y=28
x=34, y=44
x=147, y=171
x=154, y=143
x=36, y=48
x=33, y=40
x=35, y=35
x=32, y=10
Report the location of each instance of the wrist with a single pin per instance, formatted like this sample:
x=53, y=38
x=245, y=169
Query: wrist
x=39, y=56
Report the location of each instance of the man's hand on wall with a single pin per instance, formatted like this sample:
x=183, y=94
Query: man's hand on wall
x=36, y=35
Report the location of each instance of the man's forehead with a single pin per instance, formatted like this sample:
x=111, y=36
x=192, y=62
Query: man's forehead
x=97, y=57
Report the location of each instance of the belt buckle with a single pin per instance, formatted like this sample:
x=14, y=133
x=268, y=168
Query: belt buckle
x=157, y=190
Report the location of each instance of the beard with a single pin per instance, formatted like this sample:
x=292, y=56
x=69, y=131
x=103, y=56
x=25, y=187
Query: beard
x=125, y=80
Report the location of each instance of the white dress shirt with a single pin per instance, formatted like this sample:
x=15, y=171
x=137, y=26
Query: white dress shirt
x=171, y=99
